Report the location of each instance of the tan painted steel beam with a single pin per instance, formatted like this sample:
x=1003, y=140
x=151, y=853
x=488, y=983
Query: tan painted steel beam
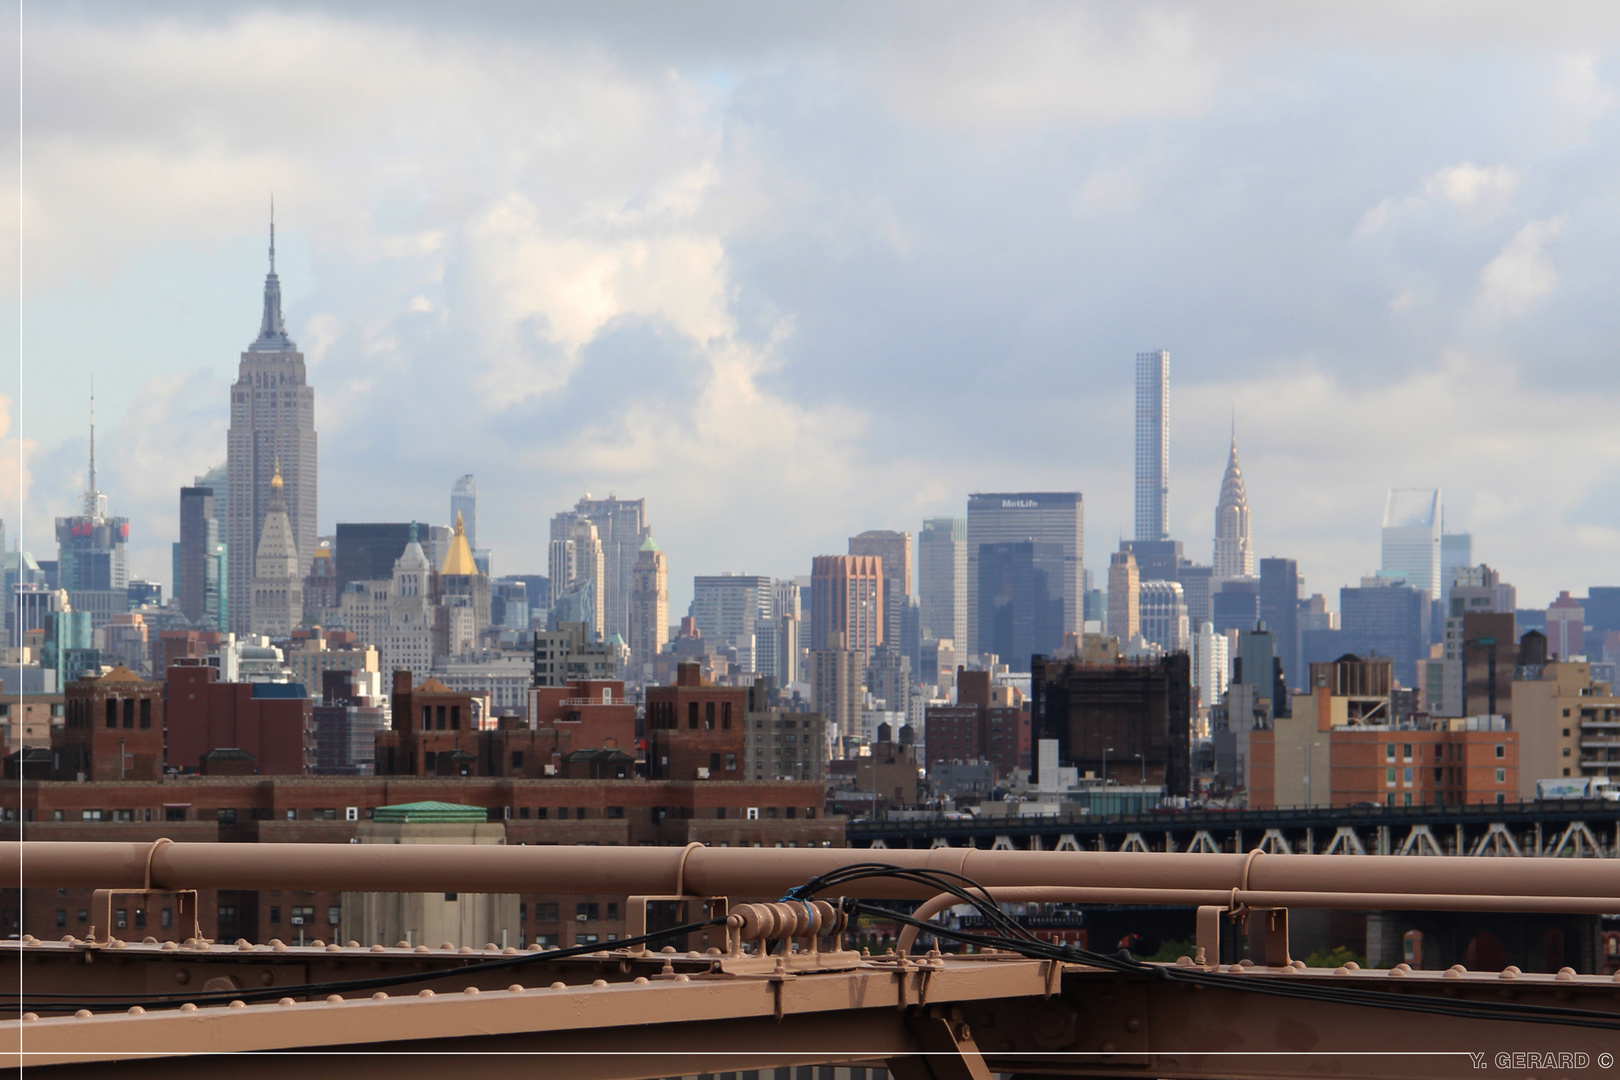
x=697, y=870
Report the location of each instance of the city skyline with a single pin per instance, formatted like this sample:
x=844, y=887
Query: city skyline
x=687, y=380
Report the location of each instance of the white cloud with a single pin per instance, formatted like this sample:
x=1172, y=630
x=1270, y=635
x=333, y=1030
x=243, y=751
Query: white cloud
x=1479, y=193
x=1522, y=275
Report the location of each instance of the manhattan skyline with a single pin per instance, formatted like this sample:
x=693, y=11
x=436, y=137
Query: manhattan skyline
x=699, y=314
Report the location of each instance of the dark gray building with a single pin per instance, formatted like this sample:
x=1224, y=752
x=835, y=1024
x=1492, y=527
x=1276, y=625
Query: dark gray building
x=1020, y=601
x=1279, y=608
x=1386, y=618
x=366, y=551
x=1041, y=517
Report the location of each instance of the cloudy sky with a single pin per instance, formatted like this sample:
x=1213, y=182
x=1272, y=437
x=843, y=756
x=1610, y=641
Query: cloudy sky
x=795, y=271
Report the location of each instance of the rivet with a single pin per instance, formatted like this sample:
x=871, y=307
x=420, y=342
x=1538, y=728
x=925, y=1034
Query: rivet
x=1133, y=1024
x=465, y=949
x=446, y=946
x=1341, y=971
x=375, y=948
x=397, y=944
x=1109, y=1047
x=30, y=1016
x=515, y=988
x=421, y=948
x=277, y=947
x=332, y=948
x=284, y=1002
x=239, y=942
x=29, y=939
x=668, y=948
x=683, y=978
x=83, y=1014
x=69, y=939
x=237, y=1004
x=559, y=986
x=1509, y=972
x=188, y=1007
x=1565, y=974
x=169, y=946
x=136, y=1010
x=334, y=999
x=471, y=991
x=490, y=946
x=509, y=951
x=148, y=940
x=1352, y=965
x=318, y=943
x=424, y=993
x=379, y=996
x=599, y=983
x=242, y=946
x=534, y=947
x=641, y=980
x=277, y=941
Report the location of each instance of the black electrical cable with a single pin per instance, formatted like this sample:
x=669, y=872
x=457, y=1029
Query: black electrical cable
x=378, y=982
x=1023, y=943
x=1337, y=995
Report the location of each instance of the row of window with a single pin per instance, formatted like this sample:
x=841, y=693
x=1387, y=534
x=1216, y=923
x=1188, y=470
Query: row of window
x=226, y=815
x=1456, y=751
x=1405, y=776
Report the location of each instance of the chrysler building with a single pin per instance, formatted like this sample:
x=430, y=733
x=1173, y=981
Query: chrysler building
x=1234, y=552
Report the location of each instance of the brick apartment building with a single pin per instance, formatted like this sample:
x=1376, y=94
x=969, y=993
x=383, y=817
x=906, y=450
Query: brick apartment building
x=314, y=809
x=112, y=729
x=274, y=722
x=987, y=723
x=695, y=729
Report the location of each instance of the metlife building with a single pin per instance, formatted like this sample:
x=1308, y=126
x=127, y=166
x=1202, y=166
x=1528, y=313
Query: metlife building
x=1055, y=518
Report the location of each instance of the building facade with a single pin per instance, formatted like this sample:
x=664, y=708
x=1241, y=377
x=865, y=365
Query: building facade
x=278, y=571
x=942, y=579
x=894, y=548
x=649, y=609
x=1411, y=538
x=1042, y=517
x=272, y=427
x=1234, y=547
x=1153, y=445
x=846, y=600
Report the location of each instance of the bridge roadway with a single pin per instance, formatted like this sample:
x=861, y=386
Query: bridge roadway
x=1577, y=828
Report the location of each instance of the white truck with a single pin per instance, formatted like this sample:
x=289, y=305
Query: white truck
x=1578, y=788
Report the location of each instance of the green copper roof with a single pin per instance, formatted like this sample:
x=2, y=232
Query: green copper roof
x=437, y=813
x=650, y=544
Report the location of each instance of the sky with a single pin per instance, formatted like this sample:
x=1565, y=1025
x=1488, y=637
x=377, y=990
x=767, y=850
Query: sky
x=791, y=272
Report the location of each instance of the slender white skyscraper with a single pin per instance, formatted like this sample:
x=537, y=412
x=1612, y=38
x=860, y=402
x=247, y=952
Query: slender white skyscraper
x=464, y=501
x=1234, y=551
x=1153, y=445
x=1411, y=538
x=272, y=420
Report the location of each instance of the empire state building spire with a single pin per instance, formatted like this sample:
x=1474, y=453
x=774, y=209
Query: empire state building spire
x=1234, y=551
x=272, y=330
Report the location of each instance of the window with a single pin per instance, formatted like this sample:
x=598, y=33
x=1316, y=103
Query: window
x=1501, y=776
x=1406, y=778
x=91, y=815
x=517, y=761
x=129, y=712
x=275, y=914
x=731, y=762
x=725, y=715
x=455, y=718
x=585, y=939
x=112, y=713
x=1406, y=751
x=691, y=715
x=167, y=918
x=1566, y=751
x=545, y=913
x=326, y=814
x=708, y=716
x=174, y=813
x=140, y=917
x=714, y=763
x=720, y=813
x=546, y=941
x=540, y=812
x=56, y=815
x=123, y=815
x=1389, y=776
x=301, y=916
x=146, y=712
x=225, y=816
x=586, y=912
x=452, y=896
x=1566, y=733
x=1500, y=798
x=1501, y=751
x=1389, y=752
x=61, y=917
x=753, y=813
x=334, y=916
x=613, y=812
x=562, y=813
x=1389, y=800
x=613, y=910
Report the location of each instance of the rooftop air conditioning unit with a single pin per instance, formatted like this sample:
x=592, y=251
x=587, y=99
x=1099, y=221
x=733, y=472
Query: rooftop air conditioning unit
x=703, y=773
x=551, y=770
x=581, y=918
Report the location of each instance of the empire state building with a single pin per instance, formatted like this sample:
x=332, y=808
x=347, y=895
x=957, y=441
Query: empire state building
x=272, y=420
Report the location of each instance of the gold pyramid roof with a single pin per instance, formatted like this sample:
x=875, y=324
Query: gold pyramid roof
x=460, y=559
